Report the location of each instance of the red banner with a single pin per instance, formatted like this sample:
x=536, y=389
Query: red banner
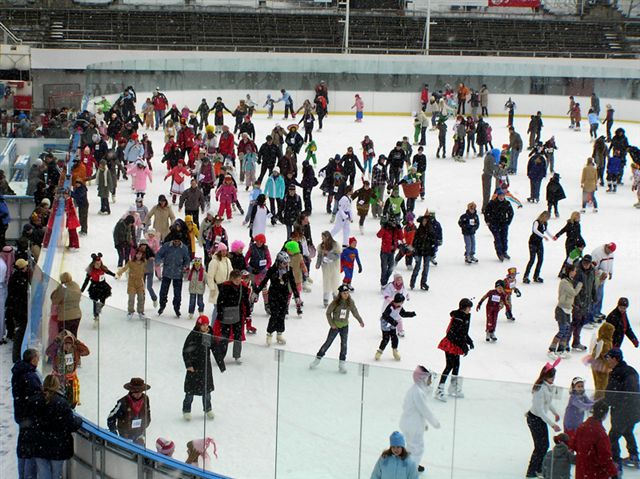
x=515, y=3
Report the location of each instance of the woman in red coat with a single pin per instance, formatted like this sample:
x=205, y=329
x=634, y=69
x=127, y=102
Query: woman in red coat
x=593, y=448
x=72, y=221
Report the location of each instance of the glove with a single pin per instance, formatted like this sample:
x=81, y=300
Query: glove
x=471, y=345
x=359, y=269
x=411, y=314
x=426, y=427
x=517, y=292
x=298, y=302
x=635, y=343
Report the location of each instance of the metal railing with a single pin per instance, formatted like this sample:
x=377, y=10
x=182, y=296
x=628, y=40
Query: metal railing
x=9, y=35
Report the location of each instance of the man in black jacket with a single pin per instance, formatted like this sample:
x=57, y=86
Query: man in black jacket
x=498, y=216
x=268, y=154
x=618, y=318
x=396, y=161
x=25, y=384
x=348, y=164
x=623, y=398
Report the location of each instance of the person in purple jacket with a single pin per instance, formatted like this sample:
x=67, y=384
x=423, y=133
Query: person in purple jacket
x=579, y=403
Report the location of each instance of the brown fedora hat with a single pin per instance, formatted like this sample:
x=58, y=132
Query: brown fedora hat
x=136, y=385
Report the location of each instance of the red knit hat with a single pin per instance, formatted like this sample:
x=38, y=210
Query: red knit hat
x=260, y=237
x=165, y=447
x=202, y=319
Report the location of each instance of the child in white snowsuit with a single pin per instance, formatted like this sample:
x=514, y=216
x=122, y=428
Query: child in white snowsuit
x=344, y=217
x=416, y=414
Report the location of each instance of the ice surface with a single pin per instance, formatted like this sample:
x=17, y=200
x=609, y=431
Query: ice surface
x=319, y=413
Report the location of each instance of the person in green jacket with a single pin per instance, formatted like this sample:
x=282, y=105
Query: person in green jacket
x=338, y=314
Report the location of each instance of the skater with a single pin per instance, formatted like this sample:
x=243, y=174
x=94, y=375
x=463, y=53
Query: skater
x=469, y=223
x=198, y=380
x=557, y=462
x=391, y=237
x=379, y=178
x=597, y=361
x=456, y=343
x=589, y=185
x=509, y=290
x=359, y=106
x=608, y=121
x=515, y=148
x=329, y=259
x=536, y=171
x=442, y=137
x=344, y=216
x=510, y=106
x=555, y=193
x=388, y=323
x=614, y=171
x=135, y=283
x=620, y=321
x=337, y=315
x=603, y=263
x=579, y=403
x=416, y=415
x=364, y=198
x=288, y=104
x=218, y=272
x=424, y=249
x=65, y=355
x=419, y=162
x=635, y=186
x=197, y=283
x=348, y=260
x=258, y=260
x=583, y=303
x=395, y=462
x=489, y=171
x=536, y=247
x=99, y=290
x=622, y=397
x=538, y=418
x=389, y=292
x=132, y=413
x=232, y=308
x=593, y=448
x=269, y=105
x=594, y=123
x=567, y=293
x=174, y=258
x=281, y=282
x=495, y=301
x=498, y=216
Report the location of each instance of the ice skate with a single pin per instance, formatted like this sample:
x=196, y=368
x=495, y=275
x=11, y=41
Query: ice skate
x=333, y=219
x=487, y=337
x=269, y=339
x=251, y=330
x=190, y=316
x=564, y=354
x=467, y=260
x=396, y=355
x=440, y=395
x=455, y=388
x=378, y=355
x=506, y=256
x=538, y=280
x=129, y=316
x=155, y=303
x=210, y=415
x=342, y=368
x=474, y=259
x=362, y=227
x=280, y=339
x=309, y=280
x=631, y=461
x=325, y=302
x=267, y=309
x=526, y=280
x=299, y=309
x=401, y=334
x=314, y=364
x=237, y=361
x=552, y=355
x=424, y=287
x=305, y=287
x=433, y=261
x=186, y=416
x=493, y=337
x=142, y=317
x=579, y=347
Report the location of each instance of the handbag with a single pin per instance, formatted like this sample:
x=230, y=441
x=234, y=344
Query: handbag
x=231, y=315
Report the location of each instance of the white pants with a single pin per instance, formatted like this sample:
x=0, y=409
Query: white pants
x=415, y=441
x=345, y=226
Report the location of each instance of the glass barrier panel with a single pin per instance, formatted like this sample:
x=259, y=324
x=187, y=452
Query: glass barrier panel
x=387, y=393
x=318, y=418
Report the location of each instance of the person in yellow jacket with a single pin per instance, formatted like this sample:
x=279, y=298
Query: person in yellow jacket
x=193, y=232
x=599, y=367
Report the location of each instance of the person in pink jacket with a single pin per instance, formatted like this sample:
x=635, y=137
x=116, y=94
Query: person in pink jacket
x=226, y=194
x=178, y=175
x=359, y=106
x=139, y=172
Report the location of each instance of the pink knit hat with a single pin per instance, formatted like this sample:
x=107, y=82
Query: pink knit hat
x=201, y=445
x=420, y=373
x=221, y=247
x=236, y=246
x=165, y=446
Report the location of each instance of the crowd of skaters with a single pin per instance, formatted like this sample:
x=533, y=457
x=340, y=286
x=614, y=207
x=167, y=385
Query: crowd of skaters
x=207, y=164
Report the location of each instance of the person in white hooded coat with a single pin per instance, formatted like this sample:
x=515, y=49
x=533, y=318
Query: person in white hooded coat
x=344, y=217
x=416, y=415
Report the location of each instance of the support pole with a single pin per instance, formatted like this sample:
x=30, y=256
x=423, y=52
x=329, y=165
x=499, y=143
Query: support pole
x=346, y=26
x=427, y=29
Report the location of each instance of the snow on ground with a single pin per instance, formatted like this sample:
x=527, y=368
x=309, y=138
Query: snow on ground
x=320, y=415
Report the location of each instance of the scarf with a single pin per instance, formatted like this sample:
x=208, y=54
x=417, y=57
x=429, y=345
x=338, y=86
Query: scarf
x=200, y=273
x=135, y=405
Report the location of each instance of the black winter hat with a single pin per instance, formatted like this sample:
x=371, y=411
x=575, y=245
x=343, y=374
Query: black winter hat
x=465, y=303
x=398, y=298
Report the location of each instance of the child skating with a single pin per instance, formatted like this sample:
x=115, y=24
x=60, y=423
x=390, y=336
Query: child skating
x=495, y=301
x=510, y=289
x=349, y=258
x=388, y=322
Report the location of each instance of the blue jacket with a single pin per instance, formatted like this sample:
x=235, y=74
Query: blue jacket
x=25, y=384
x=5, y=217
x=79, y=195
x=393, y=467
x=614, y=165
x=274, y=188
x=175, y=260
x=536, y=170
x=574, y=414
x=469, y=223
x=593, y=119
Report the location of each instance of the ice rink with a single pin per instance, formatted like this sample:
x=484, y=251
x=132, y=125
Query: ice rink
x=320, y=411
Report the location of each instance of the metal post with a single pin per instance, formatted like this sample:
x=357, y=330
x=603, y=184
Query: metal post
x=427, y=29
x=346, y=27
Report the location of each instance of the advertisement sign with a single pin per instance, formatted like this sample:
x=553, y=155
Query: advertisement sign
x=515, y=3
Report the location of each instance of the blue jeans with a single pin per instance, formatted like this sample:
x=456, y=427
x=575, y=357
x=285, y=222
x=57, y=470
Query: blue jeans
x=188, y=400
x=513, y=161
x=177, y=293
x=193, y=298
x=423, y=261
x=159, y=120
x=27, y=468
x=535, y=189
x=469, y=245
x=333, y=332
x=500, y=238
x=597, y=306
x=49, y=469
x=148, y=277
x=387, y=263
